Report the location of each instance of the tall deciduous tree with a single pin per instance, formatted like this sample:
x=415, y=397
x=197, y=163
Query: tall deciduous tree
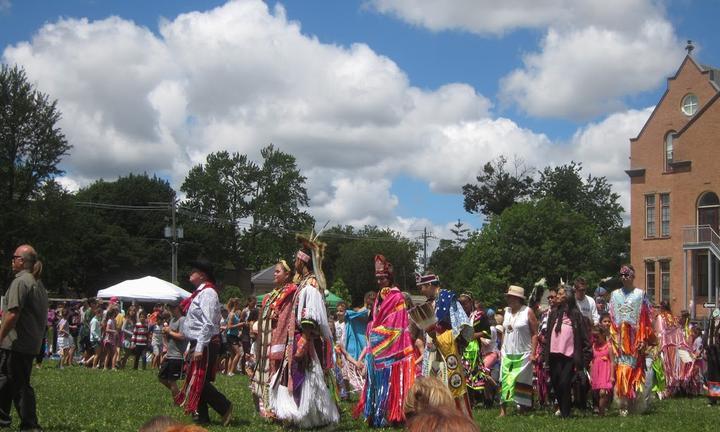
x=354, y=263
x=498, y=188
x=31, y=147
x=220, y=194
x=593, y=198
x=530, y=240
x=115, y=244
x=253, y=210
x=277, y=208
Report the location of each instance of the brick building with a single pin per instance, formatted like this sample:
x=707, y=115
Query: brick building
x=675, y=184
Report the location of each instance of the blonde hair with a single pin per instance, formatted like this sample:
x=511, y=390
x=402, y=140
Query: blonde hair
x=441, y=419
x=427, y=392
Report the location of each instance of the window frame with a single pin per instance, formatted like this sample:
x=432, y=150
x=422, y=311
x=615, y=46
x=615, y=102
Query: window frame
x=650, y=282
x=687, y=105
x=650, y=216
x=665, y=215
x=669, y=144
x=665, y=280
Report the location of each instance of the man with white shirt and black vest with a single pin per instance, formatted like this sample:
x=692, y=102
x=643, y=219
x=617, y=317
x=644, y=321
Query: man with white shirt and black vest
x=202, y=329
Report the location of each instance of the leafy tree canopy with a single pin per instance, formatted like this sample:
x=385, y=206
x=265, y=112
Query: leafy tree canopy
x=529, y=240
x=354, y=260
x=31, y=148
x=498, y=188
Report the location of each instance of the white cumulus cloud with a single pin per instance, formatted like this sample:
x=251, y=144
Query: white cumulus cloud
x=592, y=55
x=586, y=72
x=242, y=76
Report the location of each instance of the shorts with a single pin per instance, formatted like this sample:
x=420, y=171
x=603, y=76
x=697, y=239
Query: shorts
x=171, y=370
x=156, y=349
x=233, y=340
x=85, y=343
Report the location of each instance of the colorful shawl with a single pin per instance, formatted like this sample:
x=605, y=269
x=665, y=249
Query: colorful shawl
x=282, y=305
x=390, y=363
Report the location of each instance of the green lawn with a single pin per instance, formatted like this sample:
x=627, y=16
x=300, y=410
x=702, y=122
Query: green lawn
x=77, y=399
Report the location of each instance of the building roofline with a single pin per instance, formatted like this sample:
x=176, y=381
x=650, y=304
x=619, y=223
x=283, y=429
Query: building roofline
x=698, y=114
x=700, y=69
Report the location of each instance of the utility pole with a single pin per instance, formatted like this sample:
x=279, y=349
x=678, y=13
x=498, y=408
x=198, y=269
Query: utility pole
x=173, y=234
x=174, y=243
x=425, y=237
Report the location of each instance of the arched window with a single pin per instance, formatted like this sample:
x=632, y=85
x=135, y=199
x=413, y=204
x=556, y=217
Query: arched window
x=708, y=211
x=669, y=138
x=709, y=199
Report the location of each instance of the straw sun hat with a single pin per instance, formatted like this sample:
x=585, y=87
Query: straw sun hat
x=516, y=291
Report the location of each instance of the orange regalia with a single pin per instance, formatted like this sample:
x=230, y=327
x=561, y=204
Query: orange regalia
x=631, y=331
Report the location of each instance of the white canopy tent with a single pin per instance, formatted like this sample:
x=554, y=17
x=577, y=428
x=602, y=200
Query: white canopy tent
x=147, y=289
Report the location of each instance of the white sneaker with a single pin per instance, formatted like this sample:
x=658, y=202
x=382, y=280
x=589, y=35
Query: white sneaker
x=557, y=413
x=623, y=413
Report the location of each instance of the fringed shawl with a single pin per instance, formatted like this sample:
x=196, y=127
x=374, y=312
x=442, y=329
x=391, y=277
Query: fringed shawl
x=390, y=363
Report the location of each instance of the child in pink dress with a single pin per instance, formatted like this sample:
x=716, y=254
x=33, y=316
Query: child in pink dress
x=601, y=371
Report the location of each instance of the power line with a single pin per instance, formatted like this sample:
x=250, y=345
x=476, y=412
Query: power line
x=105, y=206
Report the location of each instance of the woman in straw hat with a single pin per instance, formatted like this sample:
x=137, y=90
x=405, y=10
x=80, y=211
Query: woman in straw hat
x=519, y=342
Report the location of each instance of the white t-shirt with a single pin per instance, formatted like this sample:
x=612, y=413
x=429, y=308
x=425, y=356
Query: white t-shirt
x=588, y=308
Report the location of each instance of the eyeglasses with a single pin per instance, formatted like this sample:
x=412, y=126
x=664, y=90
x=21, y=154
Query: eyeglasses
x=16, y=257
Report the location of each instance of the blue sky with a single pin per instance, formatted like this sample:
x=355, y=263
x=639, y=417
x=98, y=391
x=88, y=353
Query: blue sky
x=389, y=105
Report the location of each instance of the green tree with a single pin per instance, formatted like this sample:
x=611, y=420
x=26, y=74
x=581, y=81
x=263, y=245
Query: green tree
x=53, y=222
x=340, y=289
x=276, y=205
x=460, y=233
x=120, y=242
x=593, y=198
x=356, y=267
x=497, y=188
x=528, y=241
x=445, y=262
x=219, y=196
x=31, y=147
x=250, y=212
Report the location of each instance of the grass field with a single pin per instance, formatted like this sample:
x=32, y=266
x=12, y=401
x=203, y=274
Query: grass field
x=78, y=399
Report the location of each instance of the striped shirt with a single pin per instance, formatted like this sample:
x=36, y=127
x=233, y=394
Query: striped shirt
x=140, y=334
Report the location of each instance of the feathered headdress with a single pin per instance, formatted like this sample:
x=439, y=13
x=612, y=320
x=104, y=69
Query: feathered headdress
x=383, y=267
x=537, y=291
x=317, y=249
